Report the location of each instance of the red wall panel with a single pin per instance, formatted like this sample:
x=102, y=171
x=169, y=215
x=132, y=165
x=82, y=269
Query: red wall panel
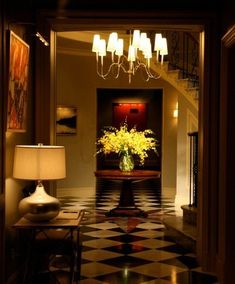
x=134, y=113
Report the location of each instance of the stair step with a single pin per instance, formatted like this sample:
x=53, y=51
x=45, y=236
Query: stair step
x=183, y=83
x=182, y=233
x=189, y=214
x=165, y=66
x=193, y=84
x=193, y=92
x=174, y=74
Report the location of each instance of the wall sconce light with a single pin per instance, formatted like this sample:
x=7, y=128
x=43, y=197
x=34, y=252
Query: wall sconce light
x=175, y=111
x=39, y=162
x=34, y=33
x=42, y=39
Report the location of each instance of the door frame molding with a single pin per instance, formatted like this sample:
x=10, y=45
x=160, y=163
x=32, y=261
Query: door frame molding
x=226, y=222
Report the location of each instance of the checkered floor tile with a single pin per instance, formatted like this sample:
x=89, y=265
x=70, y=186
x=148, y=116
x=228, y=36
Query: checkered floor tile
x=131, y=250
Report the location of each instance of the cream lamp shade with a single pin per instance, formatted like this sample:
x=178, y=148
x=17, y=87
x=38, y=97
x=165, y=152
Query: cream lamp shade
x=39, y=162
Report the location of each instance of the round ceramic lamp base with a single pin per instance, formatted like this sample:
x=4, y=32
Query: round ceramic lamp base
x=39, y=206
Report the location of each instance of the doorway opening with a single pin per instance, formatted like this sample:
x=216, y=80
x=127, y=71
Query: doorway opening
x=74, y=61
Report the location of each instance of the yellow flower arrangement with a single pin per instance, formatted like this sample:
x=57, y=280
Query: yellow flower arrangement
x=122, y=141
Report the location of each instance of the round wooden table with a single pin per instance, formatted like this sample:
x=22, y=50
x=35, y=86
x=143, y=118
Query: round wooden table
x=126, y=206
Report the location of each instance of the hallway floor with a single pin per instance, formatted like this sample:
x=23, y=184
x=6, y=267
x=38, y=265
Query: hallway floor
x=131, y=250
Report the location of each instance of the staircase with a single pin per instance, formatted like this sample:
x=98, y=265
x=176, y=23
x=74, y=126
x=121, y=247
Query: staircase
x=182, y=85
x=181, y=70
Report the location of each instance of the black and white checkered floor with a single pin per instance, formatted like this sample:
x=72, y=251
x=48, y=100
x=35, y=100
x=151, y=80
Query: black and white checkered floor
x=131, y=250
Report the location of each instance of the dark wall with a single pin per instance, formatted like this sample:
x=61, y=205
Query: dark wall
x=106, y=5
x=227, y=16
x=2, y=147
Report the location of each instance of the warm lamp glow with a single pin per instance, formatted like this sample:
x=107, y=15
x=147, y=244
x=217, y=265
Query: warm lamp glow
x=39, y=162
x=42, y=39
x=175, y=111
x=112, y=43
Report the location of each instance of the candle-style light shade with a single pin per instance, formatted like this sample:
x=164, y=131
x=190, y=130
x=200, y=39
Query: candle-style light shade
x=138, y=58
x=39, y=162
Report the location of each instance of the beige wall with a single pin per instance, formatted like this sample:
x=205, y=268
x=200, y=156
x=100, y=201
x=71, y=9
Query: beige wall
x=187, y=122
x=169, y=141
x=77, y=82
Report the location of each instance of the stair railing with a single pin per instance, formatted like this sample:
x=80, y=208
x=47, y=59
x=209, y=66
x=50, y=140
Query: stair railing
x=183, y=54
x=193, y=174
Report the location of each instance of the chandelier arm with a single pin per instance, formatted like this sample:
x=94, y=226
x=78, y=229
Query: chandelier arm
x=139, y=65
x=98, y=72
x=122, y=65
x=131, y=71
x=152, y=76
x=118, y=70
x=110, y=68
x=123, y=68
x=147, y=70
x=101, y=72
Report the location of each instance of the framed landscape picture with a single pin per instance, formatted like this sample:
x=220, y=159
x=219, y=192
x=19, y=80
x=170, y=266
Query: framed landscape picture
x=66, y=120
x=17, y=83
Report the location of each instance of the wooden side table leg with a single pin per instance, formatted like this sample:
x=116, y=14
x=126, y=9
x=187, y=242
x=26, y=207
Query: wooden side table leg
x=77, y=258
x=29, y=262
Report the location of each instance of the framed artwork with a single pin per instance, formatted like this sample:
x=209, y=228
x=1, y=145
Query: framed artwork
x=66, y=120
x=17, y=83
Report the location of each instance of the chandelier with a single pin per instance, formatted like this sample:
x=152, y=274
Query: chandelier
x=139, y=54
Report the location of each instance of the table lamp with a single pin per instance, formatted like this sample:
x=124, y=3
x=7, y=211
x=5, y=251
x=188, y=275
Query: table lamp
x=39, y=162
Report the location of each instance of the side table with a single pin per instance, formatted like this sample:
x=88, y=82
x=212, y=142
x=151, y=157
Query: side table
x=57, y=237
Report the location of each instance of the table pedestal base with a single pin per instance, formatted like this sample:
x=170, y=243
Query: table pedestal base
x=126, y=206
x=126, y=212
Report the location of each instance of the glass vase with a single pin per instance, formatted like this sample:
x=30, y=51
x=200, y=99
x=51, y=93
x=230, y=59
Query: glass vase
x=126, y=162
